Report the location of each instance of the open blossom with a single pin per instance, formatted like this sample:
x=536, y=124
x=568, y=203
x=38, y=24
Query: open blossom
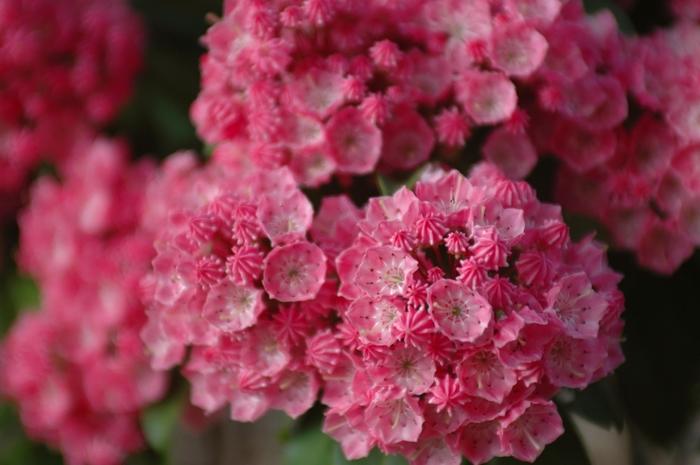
x=77, y=367
x=512, y=310
x=236, y=280
x=63, y=66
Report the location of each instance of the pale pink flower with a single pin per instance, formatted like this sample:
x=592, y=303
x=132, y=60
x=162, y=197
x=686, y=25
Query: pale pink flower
x=294, y=272
x=384, y=271
x=525, y=436
x=459, y=312
x=487, y=97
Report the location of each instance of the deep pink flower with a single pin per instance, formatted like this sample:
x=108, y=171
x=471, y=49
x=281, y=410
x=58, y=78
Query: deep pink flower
x=487, y=97
x=65, y=70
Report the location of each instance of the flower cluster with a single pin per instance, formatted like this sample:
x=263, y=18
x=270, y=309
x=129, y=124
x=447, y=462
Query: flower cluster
x=236, y=279
x=469, y=308
x=63, y=65
x=647, y=192
x=77, y=367
x=328, y=86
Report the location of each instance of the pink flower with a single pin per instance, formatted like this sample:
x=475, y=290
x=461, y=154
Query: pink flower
x=77, y=367
x=66, y=70
x=446, y=394
x=484, y=375
x=232, y=308
x=478, y=442
x=487, y=97
x=489, y=250
x=375, y=319
x=407, y=141
x=512, y=152
x=415, y=326
x=519, y=50
x=538, y=425
x=294, y=272
x=384, y=271
x=577, y=306
x=474, y=359
x=393, y=417
x=324, y=352
x=236, y=282
x=355, y=143
x=408, y=368
x=461, y=314
x=285, y=219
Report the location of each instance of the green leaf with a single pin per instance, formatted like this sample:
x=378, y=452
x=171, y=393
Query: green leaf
x=145, y=458
x=16, y=448
x=388, y=185
x=598, y=403
x=158, y=421
x=312, y=447
x=23, y=292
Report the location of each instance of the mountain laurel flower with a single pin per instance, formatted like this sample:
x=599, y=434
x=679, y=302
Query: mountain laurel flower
x=76, y=367
x=459, y=342
x=640, y=182
x=65, y=71
x=331, y=88
x=236, y=280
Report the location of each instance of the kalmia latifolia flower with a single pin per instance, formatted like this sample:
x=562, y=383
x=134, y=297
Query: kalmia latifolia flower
x=63, y=65
x=457, y=335
x=77, y=367
x=646, y=191
x=237, y=280
x=333, y=86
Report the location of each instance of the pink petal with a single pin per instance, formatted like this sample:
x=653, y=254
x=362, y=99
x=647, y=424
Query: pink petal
x=285, y=219
x=484, y=375
x=294, y=272
x=232, y=308
x=460, y=313
x=395, y=419
x=478, y=442
x=385, y=271
x=355, y=143
x=375, y=319
x=525, y=437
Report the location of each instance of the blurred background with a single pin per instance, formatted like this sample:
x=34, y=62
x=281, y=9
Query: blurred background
x=648, y=413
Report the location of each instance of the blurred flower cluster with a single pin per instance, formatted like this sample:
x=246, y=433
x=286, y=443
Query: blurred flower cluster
x=76, y=366
x=65, y=67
